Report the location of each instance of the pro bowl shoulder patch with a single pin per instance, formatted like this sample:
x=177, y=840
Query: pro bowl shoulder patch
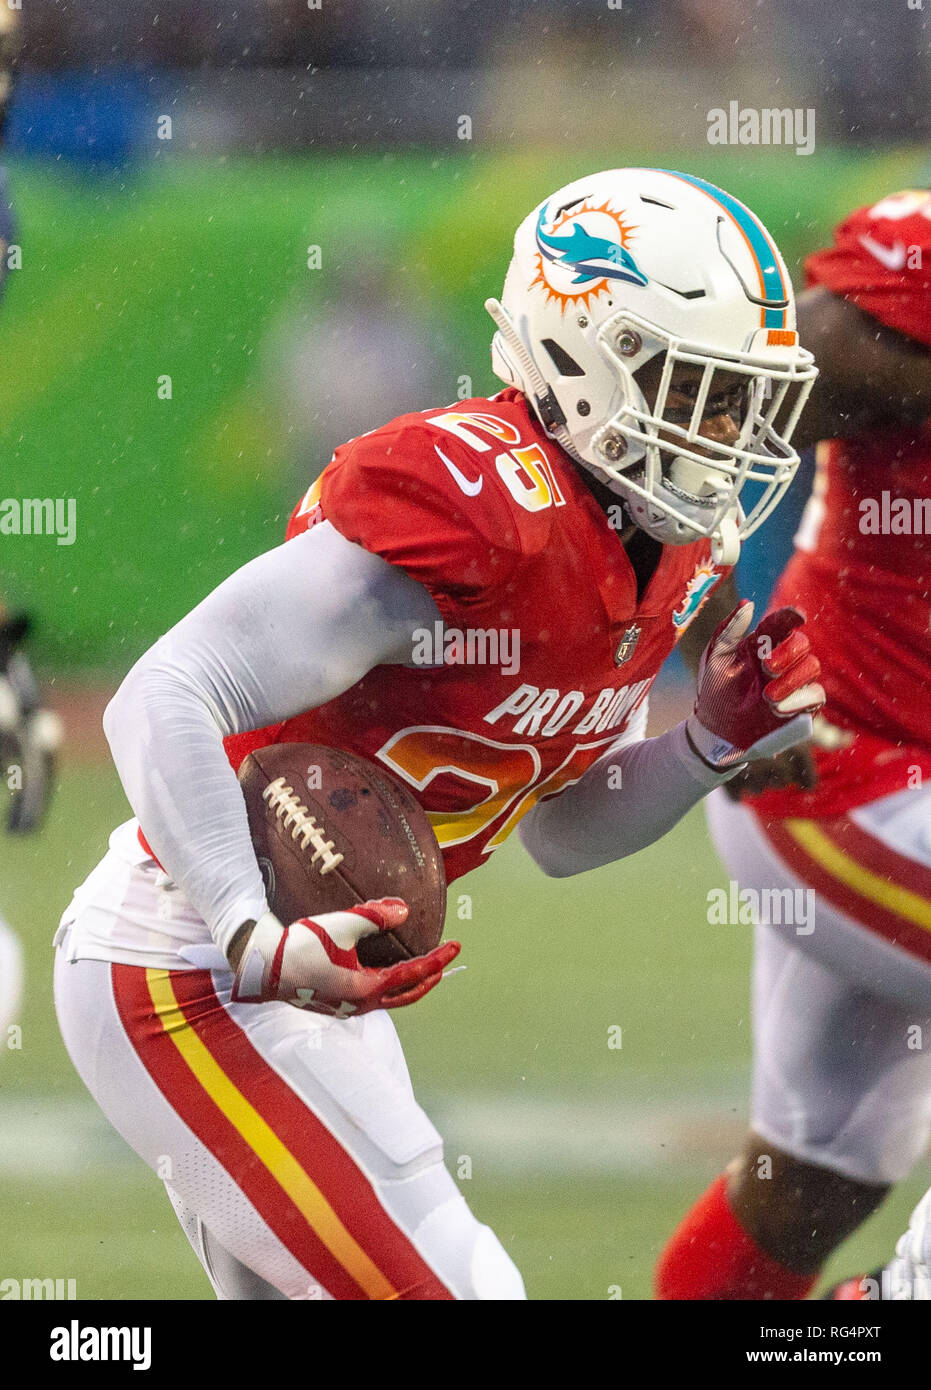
x=696, y=591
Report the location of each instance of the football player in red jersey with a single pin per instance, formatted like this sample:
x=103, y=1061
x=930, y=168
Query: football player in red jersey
x=841, y=1104
x=564, y=532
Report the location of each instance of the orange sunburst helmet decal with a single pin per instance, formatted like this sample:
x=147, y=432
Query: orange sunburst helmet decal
x=606, y=235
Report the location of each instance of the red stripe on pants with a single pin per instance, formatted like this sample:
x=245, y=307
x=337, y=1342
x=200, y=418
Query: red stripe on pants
x=332, y=1170
x=864, y=849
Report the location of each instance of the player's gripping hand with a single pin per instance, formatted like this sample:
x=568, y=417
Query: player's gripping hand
x=757, y=691
x=313, y=963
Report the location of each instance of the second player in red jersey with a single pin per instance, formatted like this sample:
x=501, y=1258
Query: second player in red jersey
x=841, y=1105
x=862, y=568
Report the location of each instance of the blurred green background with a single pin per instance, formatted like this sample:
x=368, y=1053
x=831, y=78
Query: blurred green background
x=184, y=267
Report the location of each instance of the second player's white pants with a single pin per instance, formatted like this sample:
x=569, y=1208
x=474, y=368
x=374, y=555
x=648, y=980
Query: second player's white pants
x=841, y=1013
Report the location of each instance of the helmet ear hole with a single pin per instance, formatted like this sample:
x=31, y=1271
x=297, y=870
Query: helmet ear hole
x=564, y=364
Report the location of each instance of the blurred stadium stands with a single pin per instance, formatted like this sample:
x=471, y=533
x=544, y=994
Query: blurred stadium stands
x=262, y=74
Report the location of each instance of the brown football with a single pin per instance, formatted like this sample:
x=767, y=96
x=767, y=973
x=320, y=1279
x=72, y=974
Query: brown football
x=331, y=830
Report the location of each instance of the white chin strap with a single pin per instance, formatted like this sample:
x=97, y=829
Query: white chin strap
x=725, y=542
x=685, y=475
x=668, y=530
x=706, y=482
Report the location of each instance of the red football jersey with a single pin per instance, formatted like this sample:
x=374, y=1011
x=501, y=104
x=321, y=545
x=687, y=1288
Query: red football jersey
x=544, y=651
x=862, y=568
x=880, y=260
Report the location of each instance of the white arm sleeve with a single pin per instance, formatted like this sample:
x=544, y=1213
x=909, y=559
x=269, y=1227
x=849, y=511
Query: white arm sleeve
x=286, y=633
x=631, y=796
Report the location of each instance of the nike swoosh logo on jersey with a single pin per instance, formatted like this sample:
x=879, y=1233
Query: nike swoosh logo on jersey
x=462, y=482
x=892, y=257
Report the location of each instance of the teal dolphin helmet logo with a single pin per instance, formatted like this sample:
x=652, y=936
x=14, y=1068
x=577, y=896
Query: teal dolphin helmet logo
x=591, y=257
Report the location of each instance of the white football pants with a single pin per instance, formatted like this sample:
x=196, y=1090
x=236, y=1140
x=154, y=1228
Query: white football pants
x=841, y=1002
x=291, y=1145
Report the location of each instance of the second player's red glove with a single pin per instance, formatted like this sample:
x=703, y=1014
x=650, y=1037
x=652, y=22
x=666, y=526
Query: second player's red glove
x=757, y=691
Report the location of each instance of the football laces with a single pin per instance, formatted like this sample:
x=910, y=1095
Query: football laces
x=293, y=814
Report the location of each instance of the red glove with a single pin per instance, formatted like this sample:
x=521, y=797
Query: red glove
x=313, y=963
x=757, y=691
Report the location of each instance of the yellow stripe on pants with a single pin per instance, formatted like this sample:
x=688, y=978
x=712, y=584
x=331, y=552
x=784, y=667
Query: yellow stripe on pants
x=264, y=1142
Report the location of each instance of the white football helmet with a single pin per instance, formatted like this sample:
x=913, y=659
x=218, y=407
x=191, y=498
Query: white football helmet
x=621, y=266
